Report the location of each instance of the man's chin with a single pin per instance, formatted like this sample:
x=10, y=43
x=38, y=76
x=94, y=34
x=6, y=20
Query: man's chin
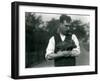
x=64, y=33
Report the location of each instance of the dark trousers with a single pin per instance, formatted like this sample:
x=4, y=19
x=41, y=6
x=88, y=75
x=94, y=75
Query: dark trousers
x=65, y=61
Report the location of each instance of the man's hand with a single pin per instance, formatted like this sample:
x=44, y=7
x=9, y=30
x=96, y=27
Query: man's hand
x=74, y=53
x=64, y=53
x=60, y=53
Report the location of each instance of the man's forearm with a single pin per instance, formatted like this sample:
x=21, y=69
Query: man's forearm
x=71, y=53
x=54, y=55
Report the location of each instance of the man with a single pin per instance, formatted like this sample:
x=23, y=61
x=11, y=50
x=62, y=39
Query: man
x=58, y=49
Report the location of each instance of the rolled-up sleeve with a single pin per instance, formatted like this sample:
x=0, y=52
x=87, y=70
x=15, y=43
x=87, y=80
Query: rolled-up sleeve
x=51, y=46
x=77, y=49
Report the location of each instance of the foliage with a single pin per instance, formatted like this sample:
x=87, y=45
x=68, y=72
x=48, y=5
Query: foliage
x=77, y=27
x=36, y=39
x=52, y=26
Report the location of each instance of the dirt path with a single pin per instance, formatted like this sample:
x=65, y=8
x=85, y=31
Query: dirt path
x=83, y=58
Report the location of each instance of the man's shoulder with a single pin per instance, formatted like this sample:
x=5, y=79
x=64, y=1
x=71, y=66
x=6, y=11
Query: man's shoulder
x=57, y=36
x=51, y=38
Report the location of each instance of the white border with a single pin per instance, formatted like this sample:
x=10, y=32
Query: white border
x=53, y=70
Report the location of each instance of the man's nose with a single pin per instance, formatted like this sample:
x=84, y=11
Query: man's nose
x=66, y=28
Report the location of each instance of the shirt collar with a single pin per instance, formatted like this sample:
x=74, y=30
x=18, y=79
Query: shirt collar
x=62, y=35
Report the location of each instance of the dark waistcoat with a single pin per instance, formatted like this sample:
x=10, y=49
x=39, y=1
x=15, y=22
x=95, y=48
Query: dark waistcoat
x=67, y=44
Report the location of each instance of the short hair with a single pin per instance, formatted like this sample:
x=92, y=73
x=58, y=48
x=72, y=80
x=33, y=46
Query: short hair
x=65, y=17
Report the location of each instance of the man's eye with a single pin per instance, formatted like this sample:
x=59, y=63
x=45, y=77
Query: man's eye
x=67, y=25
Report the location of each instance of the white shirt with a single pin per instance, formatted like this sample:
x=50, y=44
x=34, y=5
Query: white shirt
x=51, y=45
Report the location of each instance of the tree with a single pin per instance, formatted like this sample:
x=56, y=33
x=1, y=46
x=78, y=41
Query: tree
x=77, y=27
x=82, y=32
x=52, y=26
x=36, y=39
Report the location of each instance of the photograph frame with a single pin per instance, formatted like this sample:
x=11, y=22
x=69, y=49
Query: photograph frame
x=15, y=39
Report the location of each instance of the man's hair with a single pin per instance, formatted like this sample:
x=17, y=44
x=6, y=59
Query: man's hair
x=65, y=17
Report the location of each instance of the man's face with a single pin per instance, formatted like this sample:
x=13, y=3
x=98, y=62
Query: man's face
x=65, y=26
